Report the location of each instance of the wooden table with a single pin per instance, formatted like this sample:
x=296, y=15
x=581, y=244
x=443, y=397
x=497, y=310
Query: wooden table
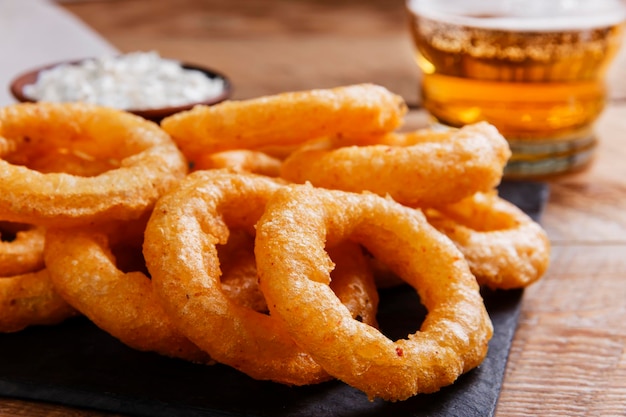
x=569, y=353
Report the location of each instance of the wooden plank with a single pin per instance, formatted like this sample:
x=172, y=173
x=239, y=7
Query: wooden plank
x=270, y=47
x=591, y=206
x=568, y=356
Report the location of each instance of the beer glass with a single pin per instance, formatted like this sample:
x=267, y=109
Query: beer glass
x=533, y=68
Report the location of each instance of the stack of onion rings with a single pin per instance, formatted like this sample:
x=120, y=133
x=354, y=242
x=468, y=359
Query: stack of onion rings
x=315, y=193
x=181, y=254
x=66, y=165
x=186, y=225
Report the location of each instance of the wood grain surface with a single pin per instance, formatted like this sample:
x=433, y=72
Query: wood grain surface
x=272, y=46
x=569, y=353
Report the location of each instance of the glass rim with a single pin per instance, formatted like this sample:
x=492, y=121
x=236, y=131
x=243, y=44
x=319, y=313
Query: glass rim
x=508, y=17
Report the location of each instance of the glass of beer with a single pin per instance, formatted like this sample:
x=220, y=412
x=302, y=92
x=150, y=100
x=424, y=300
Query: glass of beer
x=535, y=69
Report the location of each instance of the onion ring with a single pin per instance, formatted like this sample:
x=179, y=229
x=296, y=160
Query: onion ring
x=352, y=278
x=299, y=221
x=357, y=111
x=238, y=265
x=352, y=281
x=31, y=299
x=84, y=270
x=241, y=160
x=146, y=163
x=21, y=249
x=504, y=247
x=434, y=170
x=180, y=250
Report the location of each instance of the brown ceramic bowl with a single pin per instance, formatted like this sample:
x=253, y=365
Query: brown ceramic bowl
x=30, y=77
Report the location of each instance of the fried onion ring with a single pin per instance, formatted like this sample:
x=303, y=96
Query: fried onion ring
x=31, y=299
x=84, y=270
x=146, y=162
x=297, y=225
x=21, y=249
x=180, y=250
x=352, y=278
x=241, y=160
x=504, y=247
x=357, y=111
x=352, y=281
x=436, y=169
x=238, y=265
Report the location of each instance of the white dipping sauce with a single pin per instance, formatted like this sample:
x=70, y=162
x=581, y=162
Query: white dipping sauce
x=134, y=81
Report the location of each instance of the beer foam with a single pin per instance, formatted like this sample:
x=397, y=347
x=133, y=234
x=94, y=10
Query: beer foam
x=525, y=15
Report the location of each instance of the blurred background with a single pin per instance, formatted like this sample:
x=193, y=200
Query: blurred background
x=351, y=40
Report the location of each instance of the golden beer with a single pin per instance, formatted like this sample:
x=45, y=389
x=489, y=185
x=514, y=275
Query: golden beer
x=540, y=81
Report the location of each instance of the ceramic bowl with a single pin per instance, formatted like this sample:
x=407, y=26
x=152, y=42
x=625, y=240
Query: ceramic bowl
x=156, y=114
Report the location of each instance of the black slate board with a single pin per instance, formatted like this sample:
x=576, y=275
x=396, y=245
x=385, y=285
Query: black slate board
x=78, y=365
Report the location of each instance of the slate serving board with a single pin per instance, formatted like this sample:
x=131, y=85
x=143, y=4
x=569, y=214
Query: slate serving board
x=77, y=364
